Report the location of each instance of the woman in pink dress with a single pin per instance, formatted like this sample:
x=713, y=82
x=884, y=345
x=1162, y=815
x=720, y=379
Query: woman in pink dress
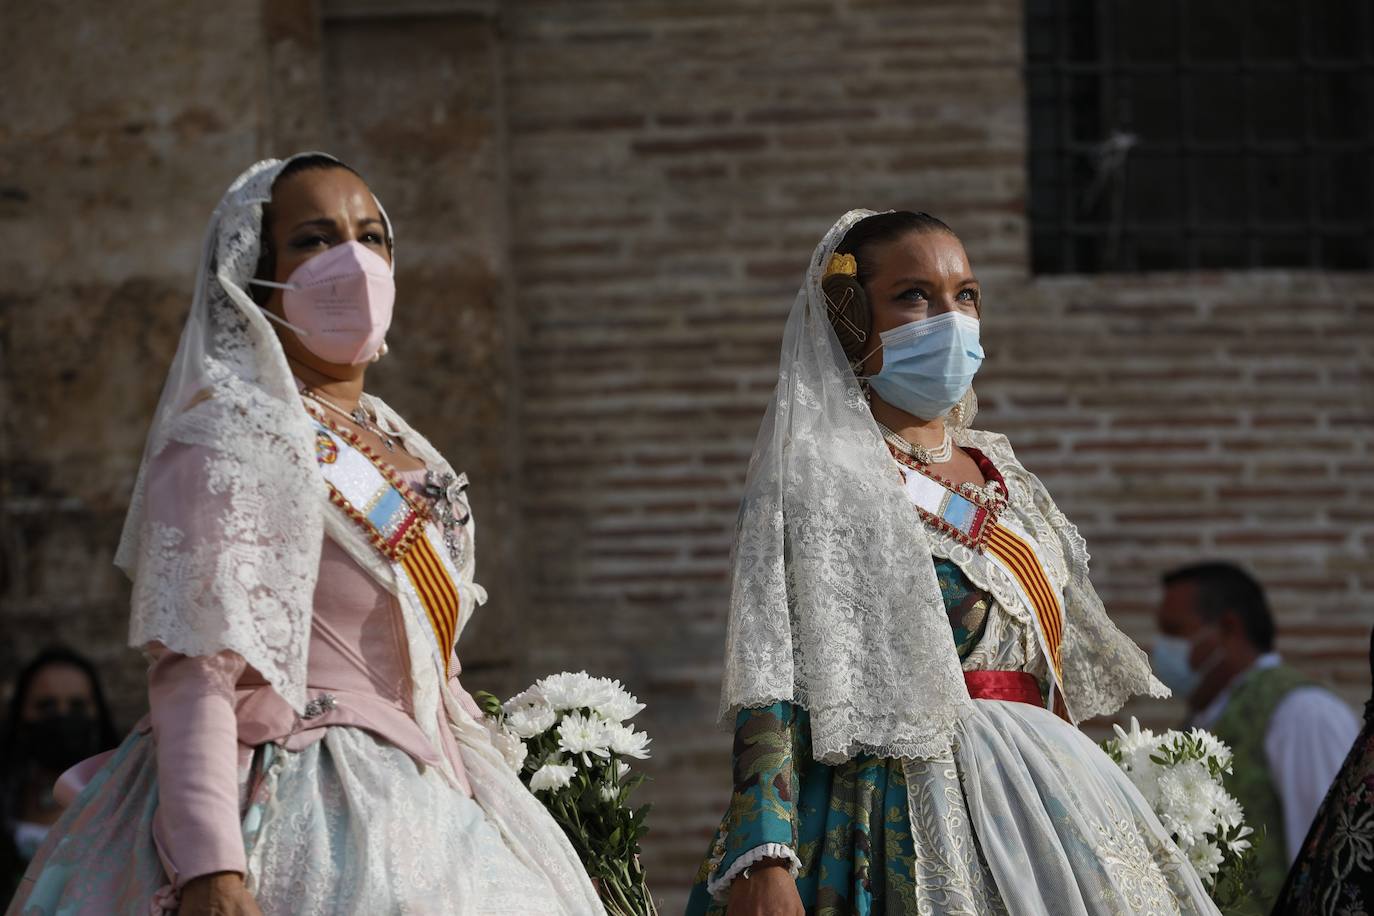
x=302, y=565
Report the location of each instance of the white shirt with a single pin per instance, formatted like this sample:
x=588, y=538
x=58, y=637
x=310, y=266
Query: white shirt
x=1306, y=742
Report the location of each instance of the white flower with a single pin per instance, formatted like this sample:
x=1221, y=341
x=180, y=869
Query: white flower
x=1206, y=859
x=528, y=721
x=627, y=742
x=1136, y=739
x=531, y=696
x=622, y=705
x=511, y=748
x=622, y=770
x=578, y=690
x=579, y=734
x=1186, y=793
x=1135, y=748
x=1229, y=811
x=552, y=776
x=610, y=793
x=1213, y=747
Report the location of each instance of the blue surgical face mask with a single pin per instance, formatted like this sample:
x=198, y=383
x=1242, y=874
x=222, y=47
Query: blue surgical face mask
x=929, y=364
x=1169, y=659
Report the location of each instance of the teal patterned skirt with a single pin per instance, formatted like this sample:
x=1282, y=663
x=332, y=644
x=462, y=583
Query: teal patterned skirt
x=1027, y=816
x=848, y=824
x=851, y=830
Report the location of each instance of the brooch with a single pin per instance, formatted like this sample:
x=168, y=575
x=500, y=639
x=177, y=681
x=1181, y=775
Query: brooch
x=319, y=706
x=446, y=490
x=326, y=449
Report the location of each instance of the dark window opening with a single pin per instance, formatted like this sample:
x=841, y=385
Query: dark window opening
x=1200, y=134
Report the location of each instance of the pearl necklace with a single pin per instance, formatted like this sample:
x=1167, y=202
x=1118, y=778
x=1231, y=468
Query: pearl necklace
x=358, y=416
x=919, y=453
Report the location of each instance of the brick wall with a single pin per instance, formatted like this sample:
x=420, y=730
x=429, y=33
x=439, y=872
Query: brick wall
x=604, y=211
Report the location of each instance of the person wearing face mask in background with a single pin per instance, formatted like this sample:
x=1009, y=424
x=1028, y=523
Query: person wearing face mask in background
x=1215, y=650
x=913, y=633
x=57, y=717
x=302, y=564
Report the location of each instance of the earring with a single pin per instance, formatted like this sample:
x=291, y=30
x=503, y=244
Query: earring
x=383, y=350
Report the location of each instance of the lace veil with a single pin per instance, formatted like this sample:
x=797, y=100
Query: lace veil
x=834, y=602
x=222, y=540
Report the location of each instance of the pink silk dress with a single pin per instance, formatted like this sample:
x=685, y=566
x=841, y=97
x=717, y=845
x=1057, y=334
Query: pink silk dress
x=349, y=808
x=209, y=713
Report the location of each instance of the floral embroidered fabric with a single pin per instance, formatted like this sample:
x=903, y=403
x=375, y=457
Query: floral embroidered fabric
x=1334, y=872
x=848, y=824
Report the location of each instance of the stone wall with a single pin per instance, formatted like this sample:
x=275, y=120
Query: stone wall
x=604, y=209
x=116, y=138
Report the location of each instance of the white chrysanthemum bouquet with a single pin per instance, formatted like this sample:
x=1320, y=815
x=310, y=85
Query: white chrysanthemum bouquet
x=568, y=738
x=1180, y=775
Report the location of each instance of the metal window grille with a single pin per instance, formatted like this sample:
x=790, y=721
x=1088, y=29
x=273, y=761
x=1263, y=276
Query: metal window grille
x=1200, y=134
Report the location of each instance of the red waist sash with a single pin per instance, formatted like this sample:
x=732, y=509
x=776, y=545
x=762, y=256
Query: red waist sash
x=1017, y=686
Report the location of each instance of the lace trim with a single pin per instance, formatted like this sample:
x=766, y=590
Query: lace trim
x=719, y=886
x=835, y=741
x=1103, y=667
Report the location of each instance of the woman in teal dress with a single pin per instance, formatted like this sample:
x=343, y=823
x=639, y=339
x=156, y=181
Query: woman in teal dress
x=913, y=633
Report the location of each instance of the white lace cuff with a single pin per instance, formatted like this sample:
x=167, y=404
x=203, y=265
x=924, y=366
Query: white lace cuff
x=719, y=885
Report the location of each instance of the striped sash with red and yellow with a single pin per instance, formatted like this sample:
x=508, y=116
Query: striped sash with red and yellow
x=437, y=593
x=1016, y=555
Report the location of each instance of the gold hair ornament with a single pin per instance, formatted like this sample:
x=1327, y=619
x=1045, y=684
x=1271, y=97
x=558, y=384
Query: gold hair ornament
x=841, y=264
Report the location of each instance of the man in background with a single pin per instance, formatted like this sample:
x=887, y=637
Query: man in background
x=1289, y=736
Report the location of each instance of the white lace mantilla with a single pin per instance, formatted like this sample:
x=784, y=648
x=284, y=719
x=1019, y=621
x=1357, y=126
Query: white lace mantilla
x=225, y=524
x=833, y=603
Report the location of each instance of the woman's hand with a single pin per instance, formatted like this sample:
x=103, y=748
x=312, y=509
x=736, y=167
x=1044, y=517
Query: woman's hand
x=768, y=891
x=220, y=894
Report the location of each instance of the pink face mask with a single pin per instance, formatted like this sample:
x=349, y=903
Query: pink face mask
x=339, y=302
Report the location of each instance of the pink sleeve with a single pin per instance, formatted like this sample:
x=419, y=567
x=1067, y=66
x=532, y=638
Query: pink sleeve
x=462, y=696
x=197, y=821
